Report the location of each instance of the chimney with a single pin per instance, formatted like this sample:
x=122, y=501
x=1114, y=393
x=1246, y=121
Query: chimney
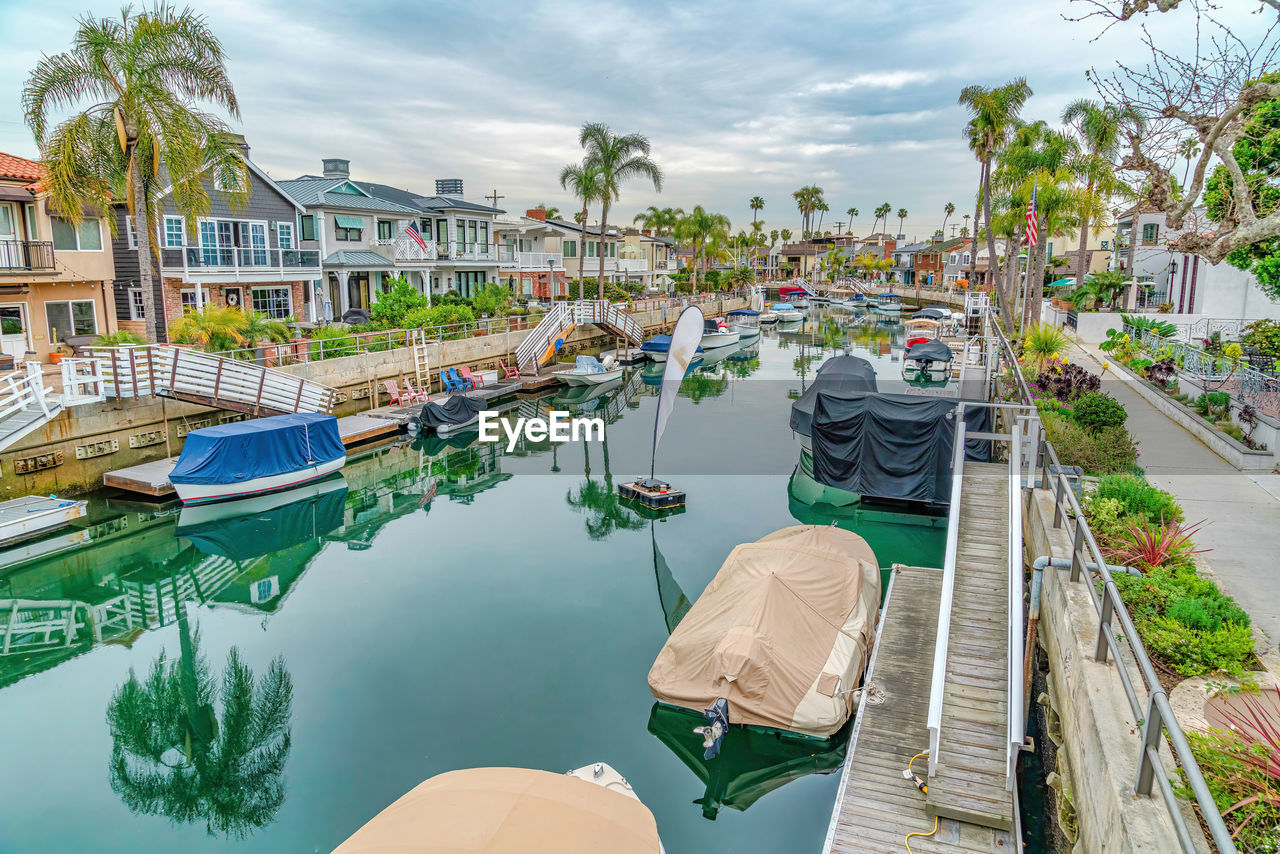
x=449, y=187
x=536, y=213
x=336, y=167
x=239, y=141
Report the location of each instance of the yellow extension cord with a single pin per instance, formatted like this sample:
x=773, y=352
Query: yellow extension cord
x=906, y=841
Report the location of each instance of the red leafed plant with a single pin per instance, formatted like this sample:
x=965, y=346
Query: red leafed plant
x=1255, y=717
x=1156, y=545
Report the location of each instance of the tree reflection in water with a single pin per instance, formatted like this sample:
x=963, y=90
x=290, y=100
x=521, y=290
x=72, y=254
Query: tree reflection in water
x=172, y=755
x=605, y=511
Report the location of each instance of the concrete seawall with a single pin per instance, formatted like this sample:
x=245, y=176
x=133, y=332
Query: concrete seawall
x=70, y=454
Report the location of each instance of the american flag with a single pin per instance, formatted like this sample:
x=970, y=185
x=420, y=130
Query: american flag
x=415, y=235
x=1032, y=233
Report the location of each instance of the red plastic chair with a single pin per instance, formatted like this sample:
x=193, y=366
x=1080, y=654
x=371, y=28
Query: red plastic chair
x=508, y=373
x=476, y=380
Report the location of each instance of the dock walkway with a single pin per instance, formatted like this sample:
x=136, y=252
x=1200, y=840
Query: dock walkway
x=876, y=807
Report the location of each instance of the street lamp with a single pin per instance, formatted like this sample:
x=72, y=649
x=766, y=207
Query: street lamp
x=551, y=278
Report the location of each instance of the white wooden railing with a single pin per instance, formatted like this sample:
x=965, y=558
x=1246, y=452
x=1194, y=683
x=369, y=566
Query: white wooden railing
x=407, y=249
x=25, y=403
x=200, y=377
x=552, y=326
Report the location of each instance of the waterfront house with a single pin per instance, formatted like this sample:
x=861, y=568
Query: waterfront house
x=55, y=278
x=530, y=255
x=903, y=270
x=248, y=256
x=582, y=248
x=648, y=257
x=930, y=261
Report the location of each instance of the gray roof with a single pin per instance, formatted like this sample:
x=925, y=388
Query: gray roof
x=311, y=192
x=912, y=247
x=357, y=258
x=422, y=203
x=591, y=229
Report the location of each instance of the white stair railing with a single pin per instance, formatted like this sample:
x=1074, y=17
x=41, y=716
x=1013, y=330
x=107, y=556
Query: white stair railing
x=529, y=352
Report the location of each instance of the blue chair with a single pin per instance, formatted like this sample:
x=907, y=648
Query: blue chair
x=450, y=386
x=460, y=382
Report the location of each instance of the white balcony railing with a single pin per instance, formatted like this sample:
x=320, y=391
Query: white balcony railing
x=466, y=252
x=237, y=260
x=509, y=256
x=407, y=249
x=633, y=265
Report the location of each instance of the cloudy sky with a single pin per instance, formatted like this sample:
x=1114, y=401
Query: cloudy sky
x=738, y=98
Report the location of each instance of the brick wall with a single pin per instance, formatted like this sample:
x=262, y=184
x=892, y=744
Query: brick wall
x=216, y=294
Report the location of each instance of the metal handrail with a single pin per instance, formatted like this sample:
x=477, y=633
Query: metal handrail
x=1158, y=715
x=937, y=683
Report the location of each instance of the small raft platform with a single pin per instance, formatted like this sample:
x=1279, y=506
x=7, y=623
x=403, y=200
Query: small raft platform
x=653, y=494
x=34, y=515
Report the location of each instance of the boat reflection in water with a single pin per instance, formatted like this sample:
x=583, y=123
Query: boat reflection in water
x=752, y=763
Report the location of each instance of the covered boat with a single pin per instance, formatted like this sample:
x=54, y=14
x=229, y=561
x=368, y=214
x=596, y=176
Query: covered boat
x=919, y=329
x=927, y=360
x=588, y=370
x=512, y=811
x=888, y=303
x=787, y=313
x=745, y=321
x=450, y=415
x=839, y=375
x=933, y=312
x=257, y=455
x=656, y=348
x=781, y=635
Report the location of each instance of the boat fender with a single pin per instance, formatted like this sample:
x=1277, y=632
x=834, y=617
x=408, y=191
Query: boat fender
x=717, y=725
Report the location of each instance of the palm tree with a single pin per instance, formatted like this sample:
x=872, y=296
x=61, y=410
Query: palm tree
x=852, y=212
x=618, y=160
x=948, y=210
x=600, y=501
x=256, y=326
x=757, y=205
x=773, y=237
x=706, y=232
x=147, y=75
x=1099, y=127
x=171, y=756
x=785, y=234
x=548, y=212
x=881, y=212
x=902, y=214
x=964, y=229
x=992, y=115
x=214, y=328
x=585, y=182
x=1188, y=148
x=808, y=199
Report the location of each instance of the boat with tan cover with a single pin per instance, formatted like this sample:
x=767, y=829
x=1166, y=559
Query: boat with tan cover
x=782, y=634
x=513, y=811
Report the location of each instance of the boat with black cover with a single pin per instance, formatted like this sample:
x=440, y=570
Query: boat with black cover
x=453, y=414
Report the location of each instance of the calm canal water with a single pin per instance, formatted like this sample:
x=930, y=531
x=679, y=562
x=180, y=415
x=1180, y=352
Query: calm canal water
x=453, y=607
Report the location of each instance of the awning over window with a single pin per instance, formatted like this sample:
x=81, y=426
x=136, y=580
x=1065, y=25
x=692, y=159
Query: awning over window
x=348, y=221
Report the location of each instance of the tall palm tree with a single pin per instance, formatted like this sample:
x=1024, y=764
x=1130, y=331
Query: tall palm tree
x=881, y=212
x=964, y=229
x=548, y=212
x=992, y=115
x=852, y=212
x=146, y=75
x=785, y=234
x=618, y=158
x=585, y=182
x=172, y=756
x=757, y=205
x=773, y=237
x=705, y=231
x=948, y=210
x=1099, y=127
x=902, y=214
x=1188, y=148
x=821, y=207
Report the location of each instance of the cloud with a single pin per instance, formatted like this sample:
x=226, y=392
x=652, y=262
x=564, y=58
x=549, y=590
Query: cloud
x=876, y=80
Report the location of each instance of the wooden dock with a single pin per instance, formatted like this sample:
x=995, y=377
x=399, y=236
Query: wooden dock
x=970, y=775
x=876, y=807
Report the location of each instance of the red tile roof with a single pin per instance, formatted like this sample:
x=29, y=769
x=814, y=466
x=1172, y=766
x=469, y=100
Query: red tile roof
x=12, y=166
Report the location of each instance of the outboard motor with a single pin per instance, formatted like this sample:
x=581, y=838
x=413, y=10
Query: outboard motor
x=717, y=725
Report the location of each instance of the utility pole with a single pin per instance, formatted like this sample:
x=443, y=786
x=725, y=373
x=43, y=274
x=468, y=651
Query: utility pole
x=954, y=226
x=494, y=197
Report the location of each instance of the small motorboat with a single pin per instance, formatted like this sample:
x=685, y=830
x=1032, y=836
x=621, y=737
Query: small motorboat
x=920, y=329
x=768, y=316
x=927, y=361
x=588, y=370
x=779, y=639
x=716, y=333
x=257, y=455
x=455, y=413
x=787, y=313
x=746, y=322
x=839, y=376
x=657, y=347
x=888, y=303
x=502, y=810
x=33, y=516
x=792, y=292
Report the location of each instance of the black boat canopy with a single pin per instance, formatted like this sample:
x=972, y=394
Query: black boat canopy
x=839, y=375
x=932, y=351
x=931, y=313
x=455, y=409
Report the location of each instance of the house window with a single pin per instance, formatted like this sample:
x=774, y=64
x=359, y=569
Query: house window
x=30, y=212
x=229, y=179
x=593, y=248
x=1150, y=233
x=384, y=229
x=86, y=237
x=136, y=308
x=273, y=302
x=347, y=232
x=424, y=227
x=967, y=257
x=1106, y=244
x=462, y=234
x=611, y=250
x=284, y=234
x=308, y=227
x=131, y=231
x=70, y=317
x=188, y=301
x=173, y=232
x=570, y=249
x=484, y=234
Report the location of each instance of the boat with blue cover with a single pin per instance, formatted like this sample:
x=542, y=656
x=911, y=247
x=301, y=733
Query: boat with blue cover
x=256, y=456
x=745, y=321
x=657, y=347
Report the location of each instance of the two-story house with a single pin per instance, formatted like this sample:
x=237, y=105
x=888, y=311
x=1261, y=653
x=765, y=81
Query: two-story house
x=931, y=261
x=55, y=277
x=903, y=270
x=530, y=255
x=247, y=256
x=582, y=249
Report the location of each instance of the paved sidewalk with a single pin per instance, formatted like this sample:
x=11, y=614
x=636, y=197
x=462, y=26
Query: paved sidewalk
x=1242, y=511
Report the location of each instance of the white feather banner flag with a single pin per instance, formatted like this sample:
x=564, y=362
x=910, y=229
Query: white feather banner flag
x=685, y=338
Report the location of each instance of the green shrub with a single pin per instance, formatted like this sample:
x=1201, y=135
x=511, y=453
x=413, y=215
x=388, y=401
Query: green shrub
x=392, y=307
x=1195, y=653
x=1235, y=431
x=1107, y=518
x=331, y=342
x=1140, y=498
x=1106, y=451
x=444, y=314
x=118, y=339
x=1096, y=410
x=1206, y=613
